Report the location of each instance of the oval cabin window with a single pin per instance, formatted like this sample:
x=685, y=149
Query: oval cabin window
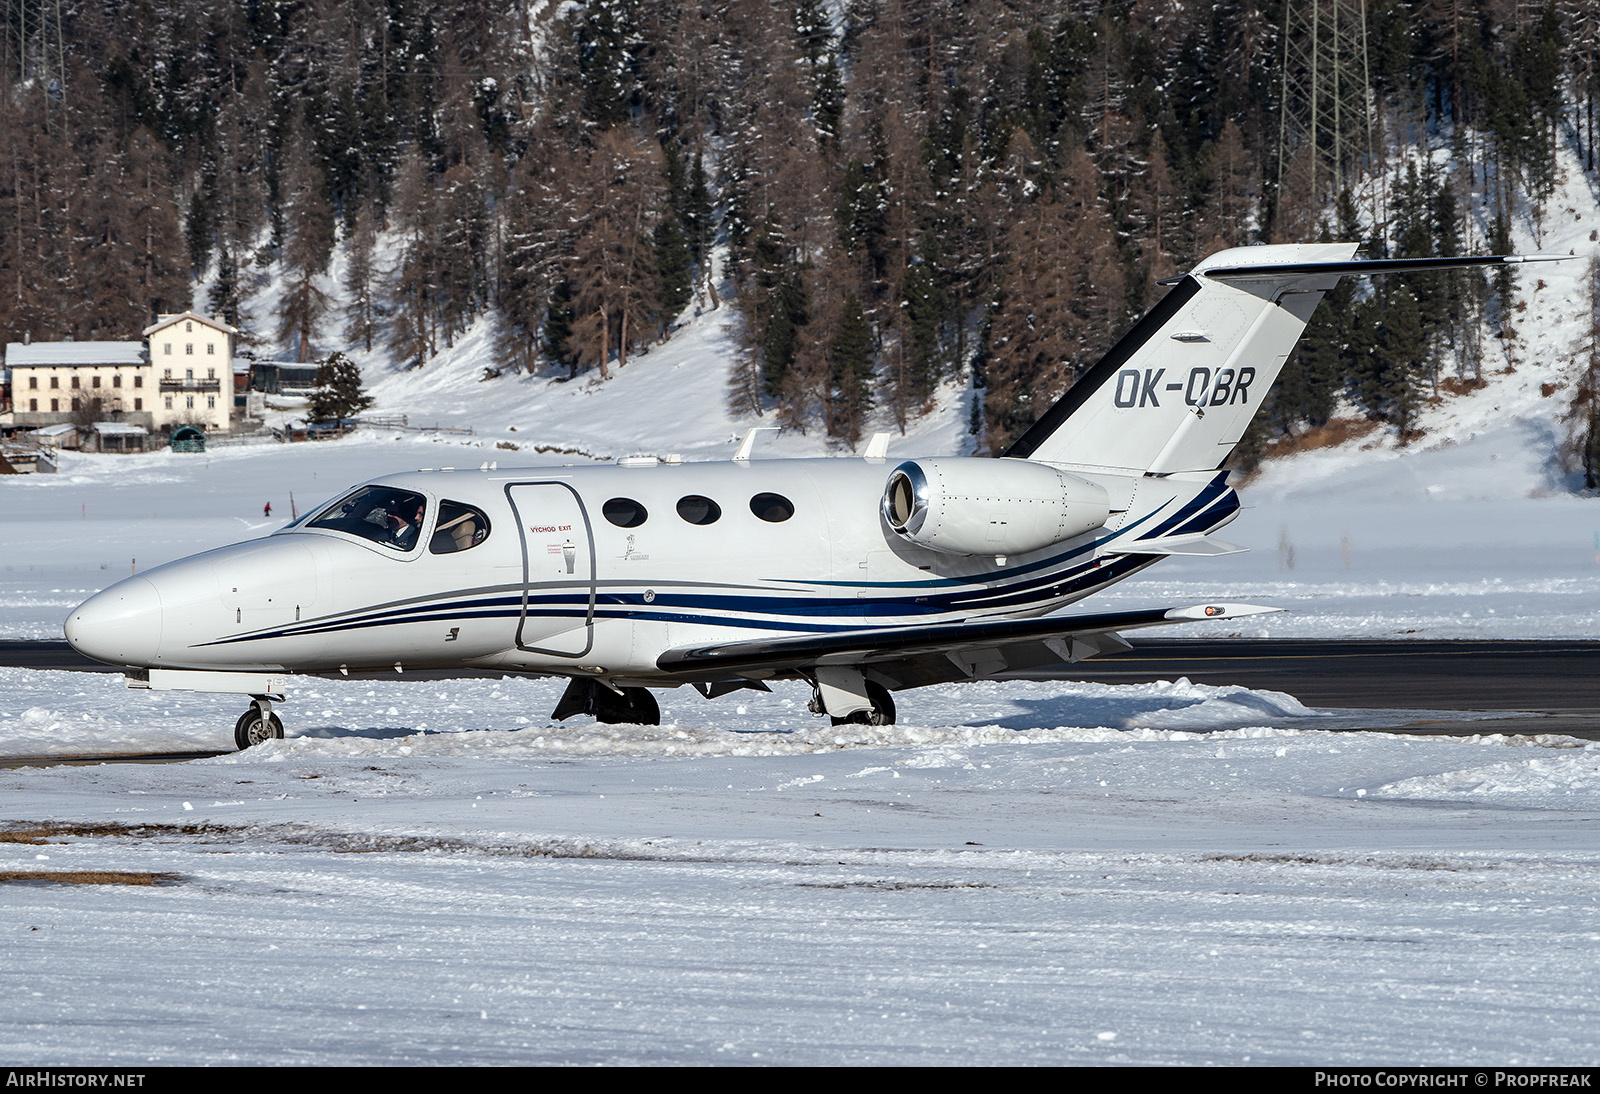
x=699, y=510
x=624, y=512
x=773, y=508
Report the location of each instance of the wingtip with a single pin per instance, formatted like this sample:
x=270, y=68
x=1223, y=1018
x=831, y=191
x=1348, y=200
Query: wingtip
x=1220, y=611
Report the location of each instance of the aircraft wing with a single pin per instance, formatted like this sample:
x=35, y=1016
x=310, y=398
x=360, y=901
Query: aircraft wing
x=917, y=655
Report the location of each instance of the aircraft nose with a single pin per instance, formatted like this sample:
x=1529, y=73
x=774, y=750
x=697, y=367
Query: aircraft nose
x=120, y=625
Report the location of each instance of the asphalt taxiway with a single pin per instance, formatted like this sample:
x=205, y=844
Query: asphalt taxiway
x=1555, y=684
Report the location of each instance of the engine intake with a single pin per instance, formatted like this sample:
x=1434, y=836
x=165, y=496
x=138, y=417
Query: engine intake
x=972, y=506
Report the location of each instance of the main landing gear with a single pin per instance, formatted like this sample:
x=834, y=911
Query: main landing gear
x=257, y=724
x=844, y=694
x=881, y=713
x=849, y=698
x=613, y=706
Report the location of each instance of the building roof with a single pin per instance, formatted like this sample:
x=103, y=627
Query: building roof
x=167, y=321
x=105, y=428
x=69, y=354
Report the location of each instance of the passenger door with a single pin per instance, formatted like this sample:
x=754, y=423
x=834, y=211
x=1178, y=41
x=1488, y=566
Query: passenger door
x=558, y=578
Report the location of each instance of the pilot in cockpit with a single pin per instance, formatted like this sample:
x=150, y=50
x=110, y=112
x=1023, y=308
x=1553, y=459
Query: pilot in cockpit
x=403, y=531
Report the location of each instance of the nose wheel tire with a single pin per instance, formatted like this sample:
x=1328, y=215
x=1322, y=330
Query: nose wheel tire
x=252, y=728
x=623, y=706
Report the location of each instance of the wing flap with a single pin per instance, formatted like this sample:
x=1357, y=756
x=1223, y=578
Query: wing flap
x=964, y=645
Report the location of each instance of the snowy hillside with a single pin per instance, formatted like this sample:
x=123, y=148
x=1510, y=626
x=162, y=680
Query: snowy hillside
x=1530, y=380
x=672, y=397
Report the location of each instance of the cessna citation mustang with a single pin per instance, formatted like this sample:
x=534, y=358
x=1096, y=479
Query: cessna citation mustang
x=863, y=576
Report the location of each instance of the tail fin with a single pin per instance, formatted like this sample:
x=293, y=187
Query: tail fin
x=1176, y=393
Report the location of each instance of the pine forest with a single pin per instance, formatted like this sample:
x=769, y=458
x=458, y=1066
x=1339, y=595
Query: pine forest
x=892, y=195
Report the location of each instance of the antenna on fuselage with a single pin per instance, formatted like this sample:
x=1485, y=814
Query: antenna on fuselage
x=748, y=445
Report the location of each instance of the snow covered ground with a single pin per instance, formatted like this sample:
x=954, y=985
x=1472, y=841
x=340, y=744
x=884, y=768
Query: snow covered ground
x=743, y=886
x=1019, y=873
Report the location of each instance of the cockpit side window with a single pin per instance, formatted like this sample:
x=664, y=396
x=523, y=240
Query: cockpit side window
x=460, y=528
x=382, y=514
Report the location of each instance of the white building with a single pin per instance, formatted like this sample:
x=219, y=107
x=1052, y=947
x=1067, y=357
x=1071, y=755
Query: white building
x=192, y=358
x=51, y=381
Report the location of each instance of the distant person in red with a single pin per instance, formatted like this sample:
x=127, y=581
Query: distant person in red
x=266, y=510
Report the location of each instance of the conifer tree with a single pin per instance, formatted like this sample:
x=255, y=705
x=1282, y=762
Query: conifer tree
x=921, y=349
x=850, y=388
x=787, y=314
x=308, y=245
x=338, y=394
x=558, y=323
x=359, y=282
x=674, y=269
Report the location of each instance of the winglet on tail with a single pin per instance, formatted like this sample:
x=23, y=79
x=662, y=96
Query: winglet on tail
x=1176, y=393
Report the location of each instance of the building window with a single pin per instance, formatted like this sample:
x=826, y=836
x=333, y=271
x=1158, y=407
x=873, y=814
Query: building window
x=33, y=405
x=166, y=348
x=74, y=404
x=55, y=382
x=138, y=381
x=211, y=402
x=169, y=402
x=211, y=348
x=188, y=376
x=74, y=383
x=33, y=383
x=188, y=348
x=188, y=326
x=94, y=381
x=116, y=381
x=189, y=401
x=211, y=374
x=55, y=405
x=138, y=404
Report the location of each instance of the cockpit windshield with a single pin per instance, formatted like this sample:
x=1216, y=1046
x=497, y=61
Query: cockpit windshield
x=379, y=513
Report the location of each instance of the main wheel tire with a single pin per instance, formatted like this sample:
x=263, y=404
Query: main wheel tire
x=881, y=714
x=250, y=729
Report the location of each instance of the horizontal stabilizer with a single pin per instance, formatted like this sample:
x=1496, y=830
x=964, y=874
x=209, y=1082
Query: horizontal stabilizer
x=1366, y=267
x=1172, y=545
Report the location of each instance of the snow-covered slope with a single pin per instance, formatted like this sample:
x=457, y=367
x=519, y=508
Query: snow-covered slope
x=1531, y=377
x=670, y=397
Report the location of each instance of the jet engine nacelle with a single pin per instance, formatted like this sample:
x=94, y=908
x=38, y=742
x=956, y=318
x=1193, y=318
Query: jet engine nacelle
x=975, y=506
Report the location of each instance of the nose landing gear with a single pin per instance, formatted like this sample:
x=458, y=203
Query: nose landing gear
x=257, y=724
x=613, y=706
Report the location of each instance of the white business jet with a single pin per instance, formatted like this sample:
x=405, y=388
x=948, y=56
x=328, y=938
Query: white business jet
x=863, y=576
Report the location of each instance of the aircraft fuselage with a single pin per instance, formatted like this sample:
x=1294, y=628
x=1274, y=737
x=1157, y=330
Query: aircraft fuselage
x=598, y=570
